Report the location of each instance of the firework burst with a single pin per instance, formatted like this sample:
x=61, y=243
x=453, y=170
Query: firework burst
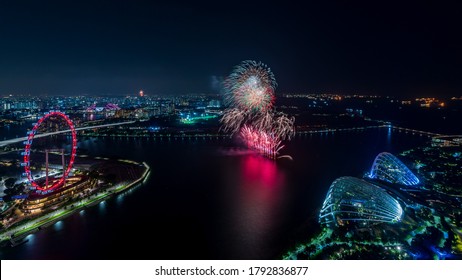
x=250, y=87
x=249, y=94
x=232, y=120
x=264, y=143
x=275, y=123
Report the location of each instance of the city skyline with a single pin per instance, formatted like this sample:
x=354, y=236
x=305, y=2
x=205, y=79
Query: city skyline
x=59, y=48
x=230, y=131
x=85, y=154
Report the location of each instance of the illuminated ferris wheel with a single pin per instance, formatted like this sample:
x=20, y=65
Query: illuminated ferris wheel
x=49, y=185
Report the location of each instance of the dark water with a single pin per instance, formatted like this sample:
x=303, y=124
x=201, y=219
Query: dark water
x=206, y=199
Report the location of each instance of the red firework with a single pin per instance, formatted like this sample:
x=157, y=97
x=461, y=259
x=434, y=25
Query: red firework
x=261, y=141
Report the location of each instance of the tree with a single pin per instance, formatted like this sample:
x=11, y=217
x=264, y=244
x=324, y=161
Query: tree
x=10, y=182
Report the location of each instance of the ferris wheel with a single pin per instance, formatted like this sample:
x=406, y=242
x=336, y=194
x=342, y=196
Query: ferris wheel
x=47, y=188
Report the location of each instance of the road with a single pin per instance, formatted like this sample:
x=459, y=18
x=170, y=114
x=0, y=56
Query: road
x=21, y=139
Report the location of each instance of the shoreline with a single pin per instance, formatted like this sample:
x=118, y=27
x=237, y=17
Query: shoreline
x=14, y=235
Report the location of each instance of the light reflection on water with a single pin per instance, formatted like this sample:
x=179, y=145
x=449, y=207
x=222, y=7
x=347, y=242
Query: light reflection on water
x=120, y=199
x=31, y=239
x=206, y=203
x=102, y=208
x=255, y=201
x=58, y=225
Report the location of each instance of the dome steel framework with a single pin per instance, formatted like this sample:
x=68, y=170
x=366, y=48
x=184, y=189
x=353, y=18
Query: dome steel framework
x=351, y=199
x=388, y=168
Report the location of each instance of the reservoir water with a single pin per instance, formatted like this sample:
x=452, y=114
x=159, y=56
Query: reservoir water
x=209, y=199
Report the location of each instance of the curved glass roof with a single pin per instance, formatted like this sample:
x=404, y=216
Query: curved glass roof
x=387, y=167
x=351, y=199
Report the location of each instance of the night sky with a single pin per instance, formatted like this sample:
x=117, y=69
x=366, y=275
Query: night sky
x=120, y=47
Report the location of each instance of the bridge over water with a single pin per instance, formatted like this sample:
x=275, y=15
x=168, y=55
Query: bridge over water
x=21, y=139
